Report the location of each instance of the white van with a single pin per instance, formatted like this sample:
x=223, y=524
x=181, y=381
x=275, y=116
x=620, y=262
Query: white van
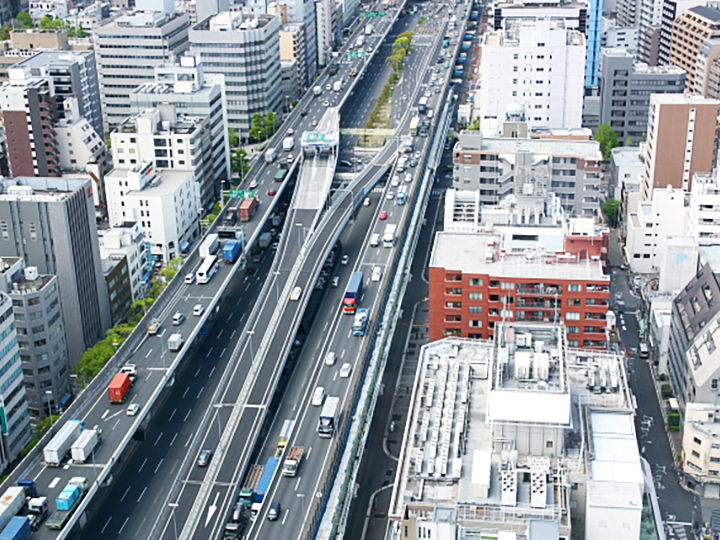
x=318, y=396
x=375, y=240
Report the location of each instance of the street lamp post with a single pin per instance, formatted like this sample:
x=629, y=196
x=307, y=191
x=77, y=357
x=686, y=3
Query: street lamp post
x=174, y=506
x=49, y=395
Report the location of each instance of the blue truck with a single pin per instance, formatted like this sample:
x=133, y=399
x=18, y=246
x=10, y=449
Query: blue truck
x=474, y=15
x=352, y=293
x=263, y=486
x=231, y=251
x=17, y=529
x=66, y=502
x=466, y=45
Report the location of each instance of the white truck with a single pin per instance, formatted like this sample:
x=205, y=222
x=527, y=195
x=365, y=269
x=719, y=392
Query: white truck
x=317, y=90
x=288, y=144
x=10, y=504
x=369, y=30
x=58, y=447
x=209, y=246
x=270, y=155
x=293, y=461
x=175, y=342
x=360, y=42
x=337, y=86
x=389, y=235
x=83, y=447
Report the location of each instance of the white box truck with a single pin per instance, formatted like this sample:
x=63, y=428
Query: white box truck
x=175, y=342
x=58, y=447
x=270, y=155
x=10, y=504
x=337, y=86
x=389, y=235
x=209, y=246
x=288, y=144
x=317, y=90
x=83, y=447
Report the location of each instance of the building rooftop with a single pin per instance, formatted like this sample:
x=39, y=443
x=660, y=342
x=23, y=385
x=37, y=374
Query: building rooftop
x=27, y=280
x=45, y=57
x=558, y=147
x=39, y=188
x=477, y=254
x=166, y=182
x=626, y=157
x=682, y=99
x=706, y=12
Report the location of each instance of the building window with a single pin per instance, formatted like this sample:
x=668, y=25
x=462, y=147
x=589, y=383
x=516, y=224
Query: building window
x=476, y=282
x=573, y=302
x=475, y=310
x=572, y=316
x=475, y=296
x=575, y=288
x=475, y=323
x=695, y=454
x=573, y=329
x=697, y=441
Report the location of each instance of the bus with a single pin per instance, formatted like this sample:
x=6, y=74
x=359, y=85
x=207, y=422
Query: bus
x=207, y=269
x=414, y=123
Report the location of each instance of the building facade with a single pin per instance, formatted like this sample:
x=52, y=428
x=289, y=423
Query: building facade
x=625, y=89
x=537, y=63
x=41, y=335
x=50, y=222
x=474, y=286
x=247, y=52
x=689, y=32
x=703, y=211
x=127, y=241
x=128, y=49
x=681, y=140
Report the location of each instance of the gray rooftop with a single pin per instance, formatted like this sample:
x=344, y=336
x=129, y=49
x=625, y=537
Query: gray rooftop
x=46, y=57
x=707, y=12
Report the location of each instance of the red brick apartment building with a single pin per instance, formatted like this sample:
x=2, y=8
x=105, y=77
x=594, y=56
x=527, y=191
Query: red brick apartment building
x=474, y=284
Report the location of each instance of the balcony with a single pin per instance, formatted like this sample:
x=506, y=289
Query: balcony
x=597, y=289
x=540, y=290
x=453, y=292
x=537, y=304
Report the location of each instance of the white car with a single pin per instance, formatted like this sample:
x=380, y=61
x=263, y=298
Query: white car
x=198, y=310
x=345, y=371
x=430, y=113
x=330, y=359
x=253, y=184
x=345, y=259
x=190, y=279
x=328, y=87
x=366, y=202
x=318, y=396
x=133, y=409
x=376, y=273
x=408, y=177
x=390, y=196
x=290, y=131
x=395, y=181
x=295, y=295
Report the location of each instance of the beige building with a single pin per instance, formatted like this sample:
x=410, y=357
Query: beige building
x=680, y=140
x=292, y=47
x=689, y=31
x=701, y=449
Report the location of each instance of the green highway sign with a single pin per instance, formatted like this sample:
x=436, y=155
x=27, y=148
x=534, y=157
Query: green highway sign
x=373, y=14
x=241, y=193
x=356, y=54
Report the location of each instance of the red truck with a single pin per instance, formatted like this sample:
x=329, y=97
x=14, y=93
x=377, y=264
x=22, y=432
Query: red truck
x=247, y=209
x=118, y=387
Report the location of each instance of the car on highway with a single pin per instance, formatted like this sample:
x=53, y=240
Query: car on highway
x=290, y=131
x=390, y=196
x=314, y=123
x=335, y=282
x=427, y=93
x=133, y=409
x=330, y=359
x=272, y=192
x=366, y=202
x=189, y=279
x=345, y=259
x=253, y=184
x=296, y=293
x=178, y=318
x=318, y=396
x=326, y=103
x=430, y=114
x=395, y=181
x=408, y=177
x=198, y=310
x=274, y=512
x=437, y=89
x=328, y=87
x=345, y=371
x=203, y=459
x=383, y=215
x=413, y=162
x=303, y=113
x=376, y=273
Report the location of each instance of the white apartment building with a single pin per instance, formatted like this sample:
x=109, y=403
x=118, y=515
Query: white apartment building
x=78, y=143
x=302, y=12
x=127, y=240
x=174, y=143
x=198, y=10
x=701, y=449
x=703, y=215
x=164, y=204
x=537, y=63
x=57, y=9
x=127, y=49
x=247, y=52
x=326, y=25
x=649, y=224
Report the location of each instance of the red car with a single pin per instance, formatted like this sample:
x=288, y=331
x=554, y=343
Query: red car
x=383, y=215
x=272, y=192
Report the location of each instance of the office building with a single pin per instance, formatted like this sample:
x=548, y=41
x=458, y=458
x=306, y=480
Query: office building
x=292, y=89
x=184, y=94
x=627, y=13
x=247, y=52
x=573, y=13
x=292, y=49
x=302, y=13
x=326, y=23
x=57, y=234
x=41, y=335
x=671, y=10
x=537, y=63
x=163, y=203
x=521, y=437
x=615, y=37
x=689, y=32
x=199, y=10
x=475, y=285
x=79, y=145
x=707, y=69
x=55, y=9
x=703, y=221
x=116, y=272
x=73, y=75
x=127, y=241
x=649, y=30
x=16, y=432
x=681, y=140
x=625, y=89
x=127, y=49
x=626, y=178
x=500, y=166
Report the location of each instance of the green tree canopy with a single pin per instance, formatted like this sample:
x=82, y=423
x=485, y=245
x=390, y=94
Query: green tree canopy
x=233, y=138
x=5, y=33
x=48, y=23
x=611, y=209
x=25, y=19
x=608, y=140
x=257, y=127
x=271, y=124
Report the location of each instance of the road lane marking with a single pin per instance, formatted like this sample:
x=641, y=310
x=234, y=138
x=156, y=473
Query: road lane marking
x=287, y=511
x=233, y=334
x=186, y=417
x=213, y=369
x=186, y=391
x=123, y=525
x=335, y=376
x=200, y=393
x=105, y=414
x=172, y=415
x=238, y=302
x=211, y=509
x=158, y=439
x=113, y=415
x=297, y=484
x=143, y=493
x=125, y=494
x=148, y=353
x=342, y=354
x=196, y=373
x=54, y=483
x=209, y=353
x=116, y=424
x=141, y=466
x=173, y=439
x=242, y=317
x=231, y=316
x=223, y=352
x=309, y=451
x=161, y=461
x=137, y=534
x=220, y=333
x=106, y=524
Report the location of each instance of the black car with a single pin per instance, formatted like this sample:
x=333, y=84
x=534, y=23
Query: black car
x=303, y=113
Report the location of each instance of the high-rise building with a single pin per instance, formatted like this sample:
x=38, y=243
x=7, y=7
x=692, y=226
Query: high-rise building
x=707, y=69
x=537, y=63
x=627, y=13
x=681, y=140
x=127, y=49
x=15, y=431
x=199, y=10
x=247, y=52
x=594, y=42
x=127, y=241
x=184, y=94
x=50, y=222
x=649, y=30
x=326, y=30
x=670, y=11
x=292, y=48
x=625, y=89
x=689, y=32
x=302, y=12
x=41, y=334
x=73, y=75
